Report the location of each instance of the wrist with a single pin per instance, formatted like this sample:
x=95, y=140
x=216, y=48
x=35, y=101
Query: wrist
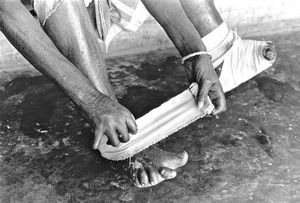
x=204, y=57
x=195, y=55
x=186, y=41
x=90, y=101
x=190, y=46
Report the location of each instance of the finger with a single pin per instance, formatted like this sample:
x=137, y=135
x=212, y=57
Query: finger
x=218, y=69
x=189, y=71
x=113, y=137
x=143, y=177
x=220, y=105
x=153, y=175
x=219, y=102
x=131, y=125
x=123, y=133
x=167, y=173
x=98, y=135
x=203, y=93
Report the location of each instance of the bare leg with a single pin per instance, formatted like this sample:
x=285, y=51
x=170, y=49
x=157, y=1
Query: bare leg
x=73, y=33
x=203, y=14
x=71, y=30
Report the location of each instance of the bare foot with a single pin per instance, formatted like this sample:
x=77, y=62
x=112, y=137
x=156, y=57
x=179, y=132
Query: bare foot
x=153, y=165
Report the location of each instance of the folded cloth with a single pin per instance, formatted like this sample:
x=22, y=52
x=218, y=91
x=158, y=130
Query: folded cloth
x=125, y=15
x=112, y=16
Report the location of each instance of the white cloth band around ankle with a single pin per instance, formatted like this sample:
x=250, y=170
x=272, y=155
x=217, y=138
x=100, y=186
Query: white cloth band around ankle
x=199, y=53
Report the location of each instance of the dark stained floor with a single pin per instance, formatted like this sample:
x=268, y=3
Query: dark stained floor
x=250, y=154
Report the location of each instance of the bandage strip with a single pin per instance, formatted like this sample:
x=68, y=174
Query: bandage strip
x=159, y=123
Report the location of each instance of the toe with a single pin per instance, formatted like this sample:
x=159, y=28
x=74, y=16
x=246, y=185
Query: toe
x=167, y=173
x=166, y=159
x=153, y=175
x=143, y=177
x=137, y=183
x=183, y=156
x=270, y=54
x=269, y=51
x=149, y=176
x=179, y=160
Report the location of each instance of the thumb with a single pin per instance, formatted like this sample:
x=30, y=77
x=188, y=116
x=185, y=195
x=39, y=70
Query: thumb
x=98, y=136
x=202, y=94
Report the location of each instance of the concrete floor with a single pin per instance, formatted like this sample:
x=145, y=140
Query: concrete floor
x=250, y=154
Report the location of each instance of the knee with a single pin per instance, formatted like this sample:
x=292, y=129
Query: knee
x=62, y=8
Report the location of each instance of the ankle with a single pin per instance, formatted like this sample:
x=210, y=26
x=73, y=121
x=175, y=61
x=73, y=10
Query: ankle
x=218, y=42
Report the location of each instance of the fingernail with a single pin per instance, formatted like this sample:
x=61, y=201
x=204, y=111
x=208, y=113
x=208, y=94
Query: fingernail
x=184, y=155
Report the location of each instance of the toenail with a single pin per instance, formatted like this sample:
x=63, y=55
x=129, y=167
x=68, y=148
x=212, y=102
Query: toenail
x=183, y=154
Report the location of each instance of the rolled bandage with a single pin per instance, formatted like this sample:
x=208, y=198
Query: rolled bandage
x=242, y=60
x=158, y=124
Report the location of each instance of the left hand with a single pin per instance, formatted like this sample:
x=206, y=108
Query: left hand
x=200, y=69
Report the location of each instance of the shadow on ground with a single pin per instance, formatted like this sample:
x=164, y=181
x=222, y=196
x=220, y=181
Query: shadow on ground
x=250, y=154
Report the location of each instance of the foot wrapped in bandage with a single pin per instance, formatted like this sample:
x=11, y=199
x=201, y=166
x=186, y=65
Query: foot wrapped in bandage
x=238, y=59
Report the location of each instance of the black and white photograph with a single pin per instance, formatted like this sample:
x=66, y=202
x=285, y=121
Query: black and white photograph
x=155, y=101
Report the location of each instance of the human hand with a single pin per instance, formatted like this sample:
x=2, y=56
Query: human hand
x=200, y=69
x=114, y=121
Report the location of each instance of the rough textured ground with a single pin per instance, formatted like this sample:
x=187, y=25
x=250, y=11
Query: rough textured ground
x=250, y=154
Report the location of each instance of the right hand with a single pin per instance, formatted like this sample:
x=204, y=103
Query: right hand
x=114, y=121
x=200, y=69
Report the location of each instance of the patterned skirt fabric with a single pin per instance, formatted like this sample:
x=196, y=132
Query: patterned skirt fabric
x=112, y=16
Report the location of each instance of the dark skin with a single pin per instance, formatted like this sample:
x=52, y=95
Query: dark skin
x=115, y=118
x=187, y=40
x=189, y=21
x=33, y=43
x=79, y=69
x=89, y=89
